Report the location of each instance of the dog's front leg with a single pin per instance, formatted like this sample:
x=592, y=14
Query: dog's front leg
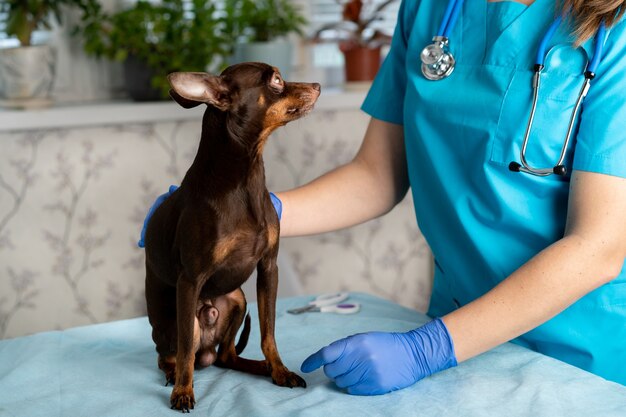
x=267, y=286
x=186, y=299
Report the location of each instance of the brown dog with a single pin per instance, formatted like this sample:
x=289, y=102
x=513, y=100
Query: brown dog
x=207, y=238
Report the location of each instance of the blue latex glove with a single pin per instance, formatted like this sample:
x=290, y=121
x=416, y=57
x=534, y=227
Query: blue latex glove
x=376, y=363
x=278, y=206
x=160, y=199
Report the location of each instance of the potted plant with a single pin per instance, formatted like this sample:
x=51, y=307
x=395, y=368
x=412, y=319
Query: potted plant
x=154, y=39
x=27, y=70
x=259, y=30
x=360, y=43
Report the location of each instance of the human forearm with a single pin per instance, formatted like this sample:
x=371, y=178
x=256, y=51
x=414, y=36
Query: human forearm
x=341, y=198
x=363, y=189
x=536, y=292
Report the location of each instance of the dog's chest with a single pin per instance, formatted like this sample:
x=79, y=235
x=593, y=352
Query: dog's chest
x=235, y=257
x=244, y=247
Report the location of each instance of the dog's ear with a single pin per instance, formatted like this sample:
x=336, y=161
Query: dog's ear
x=193, y=88
x=188, y=104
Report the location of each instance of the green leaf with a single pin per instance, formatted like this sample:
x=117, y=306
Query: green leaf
x=263, y=20
x=121, y=55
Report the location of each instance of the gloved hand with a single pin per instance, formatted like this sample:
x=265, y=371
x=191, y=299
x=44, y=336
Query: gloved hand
x=376, y=363
x=278, y=206
x=160, y=199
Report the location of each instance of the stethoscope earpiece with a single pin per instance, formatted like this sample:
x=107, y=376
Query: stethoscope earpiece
x=514, y=166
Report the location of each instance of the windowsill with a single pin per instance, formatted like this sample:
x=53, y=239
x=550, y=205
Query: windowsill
x=113, y=113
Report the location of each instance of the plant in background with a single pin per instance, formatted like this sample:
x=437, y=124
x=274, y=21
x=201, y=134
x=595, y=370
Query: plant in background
x=27, y=71
x=23, y=17
x=168, y=36
x=263, y=20
x=356, y=27
x=358, y=39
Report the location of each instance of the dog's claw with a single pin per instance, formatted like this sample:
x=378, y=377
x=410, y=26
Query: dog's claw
x=173, y=407
x=184, y=408
x=182, y=399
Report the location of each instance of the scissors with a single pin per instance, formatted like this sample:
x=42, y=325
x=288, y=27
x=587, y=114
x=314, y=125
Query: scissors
x=328, y=303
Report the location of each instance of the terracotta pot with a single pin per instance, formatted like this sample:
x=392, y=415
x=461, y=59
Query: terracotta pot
x=361, y=63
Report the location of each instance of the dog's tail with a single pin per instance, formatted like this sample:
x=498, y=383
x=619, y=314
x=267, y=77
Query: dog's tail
x=243, y=338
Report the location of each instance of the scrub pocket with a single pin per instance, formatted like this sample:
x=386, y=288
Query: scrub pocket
x=560, y=84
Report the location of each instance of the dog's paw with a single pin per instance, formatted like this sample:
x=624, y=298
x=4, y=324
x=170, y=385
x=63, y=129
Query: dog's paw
x=182, y=399
x=286, y=378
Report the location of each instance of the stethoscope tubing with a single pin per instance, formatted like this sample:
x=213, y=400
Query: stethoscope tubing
x=453, y=10
x=443, y=65
x=590, y=70
x=600, y=38
x=597, y=51
x=541, y=51
x=446, y=17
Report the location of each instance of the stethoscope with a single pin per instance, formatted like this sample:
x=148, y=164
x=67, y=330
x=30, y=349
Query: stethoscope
x=438, y=63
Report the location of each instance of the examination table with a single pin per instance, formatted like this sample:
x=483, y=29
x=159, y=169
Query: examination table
x=111, y=370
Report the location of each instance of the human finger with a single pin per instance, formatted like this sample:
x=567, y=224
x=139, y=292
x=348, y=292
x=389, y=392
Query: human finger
x=324, y=356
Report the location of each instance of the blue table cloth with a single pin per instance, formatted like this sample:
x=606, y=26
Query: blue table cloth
x=110, y=370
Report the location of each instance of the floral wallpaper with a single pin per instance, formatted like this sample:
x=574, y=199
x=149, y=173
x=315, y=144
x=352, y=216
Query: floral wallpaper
x=72, y=202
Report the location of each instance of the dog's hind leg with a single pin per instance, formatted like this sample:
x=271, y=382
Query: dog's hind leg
x=228, y=353
x=161, y=304
x=168, y=365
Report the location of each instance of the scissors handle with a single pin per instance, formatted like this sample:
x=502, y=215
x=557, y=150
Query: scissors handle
x=323, y=301
x=329, y=299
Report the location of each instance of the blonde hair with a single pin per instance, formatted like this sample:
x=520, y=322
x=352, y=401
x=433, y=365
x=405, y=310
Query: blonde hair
x=586, y=15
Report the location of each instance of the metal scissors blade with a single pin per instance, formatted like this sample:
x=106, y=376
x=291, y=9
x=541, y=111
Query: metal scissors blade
x=301, y=310
x=348, y=308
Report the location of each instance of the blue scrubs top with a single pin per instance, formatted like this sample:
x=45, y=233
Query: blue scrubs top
x=481, y=220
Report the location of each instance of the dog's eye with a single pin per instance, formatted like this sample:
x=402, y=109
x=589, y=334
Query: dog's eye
x=277, y=81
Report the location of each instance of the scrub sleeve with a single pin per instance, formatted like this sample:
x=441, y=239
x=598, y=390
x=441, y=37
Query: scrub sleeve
x=601, y=137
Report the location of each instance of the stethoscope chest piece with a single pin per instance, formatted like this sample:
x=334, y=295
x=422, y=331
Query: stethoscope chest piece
x=437, y=61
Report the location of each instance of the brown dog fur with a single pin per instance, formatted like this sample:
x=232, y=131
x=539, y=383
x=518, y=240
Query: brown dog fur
x=205, y=240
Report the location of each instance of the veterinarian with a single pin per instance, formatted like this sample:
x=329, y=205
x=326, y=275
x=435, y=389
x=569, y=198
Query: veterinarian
x=529, y=244
x=527, y=249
